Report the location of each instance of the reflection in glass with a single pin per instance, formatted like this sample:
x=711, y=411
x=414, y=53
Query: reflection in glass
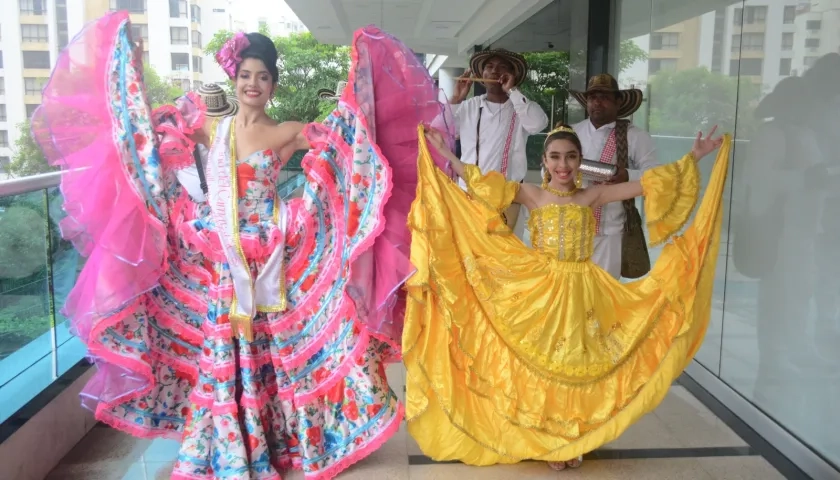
x=767, y=71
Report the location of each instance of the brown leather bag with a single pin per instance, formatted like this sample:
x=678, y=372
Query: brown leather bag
x=635, y=258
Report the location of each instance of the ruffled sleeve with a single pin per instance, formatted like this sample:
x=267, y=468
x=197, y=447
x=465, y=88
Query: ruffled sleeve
x=176, y=124
x=492, y=189
x=671, y=192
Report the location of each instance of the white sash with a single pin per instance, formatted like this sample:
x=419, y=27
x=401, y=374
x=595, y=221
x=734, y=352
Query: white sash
x=268, y=293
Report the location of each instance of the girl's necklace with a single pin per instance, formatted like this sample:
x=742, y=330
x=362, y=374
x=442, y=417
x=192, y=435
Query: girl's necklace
x=559, y=193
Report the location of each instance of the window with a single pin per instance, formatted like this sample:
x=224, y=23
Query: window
x=198, y=64
x=180, y=61
x=812, y=43
x=218, y=10
x=2, y=112
x=1, y=59
x=665, y=41
x=4, y=163
x=145, y=58
x=140, y=30
x=738, y=16
x=787, y=41
x=790, y=14
x=32, y=7
x=755, y=15
x=30, y=109
x=736, y=43
x=177, y=8
x=34, y=86
x=2, y=85
x=184, y=83
x=133, y=6
x=180, y=35
x=784, y=66
x=752, y=42
x=813, y=24
x=662, y=64
x=36, y=59
x=4, y=139
x=196, y=38
x=34, y=33
x=195, y=13
x=745, y=66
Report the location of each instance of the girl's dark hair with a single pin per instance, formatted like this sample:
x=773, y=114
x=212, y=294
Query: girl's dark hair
x=563, y=135
x=261, y=48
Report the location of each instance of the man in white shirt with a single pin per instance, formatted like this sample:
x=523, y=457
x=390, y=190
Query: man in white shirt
x=494, y=127
x=607, y=106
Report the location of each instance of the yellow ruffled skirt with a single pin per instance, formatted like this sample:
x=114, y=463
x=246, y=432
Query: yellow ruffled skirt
x=511, y=355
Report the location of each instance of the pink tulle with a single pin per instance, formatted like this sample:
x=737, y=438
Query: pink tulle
x=110, y=224
x=401, y=98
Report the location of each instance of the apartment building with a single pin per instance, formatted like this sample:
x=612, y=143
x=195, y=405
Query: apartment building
x=172, y=34
x=32, y=32
x=758, y=40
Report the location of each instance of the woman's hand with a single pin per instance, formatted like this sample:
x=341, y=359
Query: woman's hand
x=704, y=146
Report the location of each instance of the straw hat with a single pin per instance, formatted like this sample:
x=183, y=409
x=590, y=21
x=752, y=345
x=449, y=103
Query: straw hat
x=217, y=101
x=333, y=95
x=517, y=62
x=628, y=100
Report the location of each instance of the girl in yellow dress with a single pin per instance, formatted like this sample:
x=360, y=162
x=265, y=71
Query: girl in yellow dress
x=515, y=353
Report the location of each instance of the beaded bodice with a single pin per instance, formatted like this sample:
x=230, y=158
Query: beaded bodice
x=565, y=232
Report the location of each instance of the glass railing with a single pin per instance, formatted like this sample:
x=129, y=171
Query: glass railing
x=37, y=270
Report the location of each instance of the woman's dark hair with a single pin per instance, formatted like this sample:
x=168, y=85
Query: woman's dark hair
x=261, y=48
x=569, y=135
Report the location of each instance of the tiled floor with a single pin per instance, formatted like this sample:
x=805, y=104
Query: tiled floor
x=682, y=439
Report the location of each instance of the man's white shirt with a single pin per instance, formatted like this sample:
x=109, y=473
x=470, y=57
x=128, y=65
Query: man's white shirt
x=495, y=125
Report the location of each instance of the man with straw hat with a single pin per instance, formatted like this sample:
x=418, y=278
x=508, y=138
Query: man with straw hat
x=607, y=137
x=218, y=105
x=494, y=127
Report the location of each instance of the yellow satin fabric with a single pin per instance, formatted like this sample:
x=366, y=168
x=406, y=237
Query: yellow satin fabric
x=515, y=354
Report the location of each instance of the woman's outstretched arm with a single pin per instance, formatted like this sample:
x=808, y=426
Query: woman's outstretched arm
x=604, y=194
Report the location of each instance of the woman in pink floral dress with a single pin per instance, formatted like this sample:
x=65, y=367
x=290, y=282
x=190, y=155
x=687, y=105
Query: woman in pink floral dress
x=227, y=324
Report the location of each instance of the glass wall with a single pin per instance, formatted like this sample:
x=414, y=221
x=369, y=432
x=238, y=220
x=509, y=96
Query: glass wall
x=767, y=71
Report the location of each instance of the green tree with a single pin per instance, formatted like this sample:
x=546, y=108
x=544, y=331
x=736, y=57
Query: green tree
x=28, y=159
x=159, y=91
x=551, y=71
x=306, y=66
x=684, y=101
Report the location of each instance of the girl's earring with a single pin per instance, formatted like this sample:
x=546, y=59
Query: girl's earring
x=546, y=177
x=579, y=179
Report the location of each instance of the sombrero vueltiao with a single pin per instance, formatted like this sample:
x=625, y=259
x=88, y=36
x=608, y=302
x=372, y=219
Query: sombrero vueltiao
x=217, y=101
x=332, y=95
x=628, y=100
x=517, y=62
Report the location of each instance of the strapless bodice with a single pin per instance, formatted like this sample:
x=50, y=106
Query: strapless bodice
x=565, y=232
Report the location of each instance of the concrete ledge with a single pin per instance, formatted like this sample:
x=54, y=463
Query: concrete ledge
x=40, y=444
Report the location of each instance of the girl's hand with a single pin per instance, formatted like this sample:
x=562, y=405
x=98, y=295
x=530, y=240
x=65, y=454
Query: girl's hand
x=704, y=146
x=435, y=139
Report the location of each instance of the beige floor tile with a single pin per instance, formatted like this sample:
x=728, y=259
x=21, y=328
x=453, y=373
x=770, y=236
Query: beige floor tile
x=649, y=432
x=457, y=471
x=692, y=424
x=740, y=468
